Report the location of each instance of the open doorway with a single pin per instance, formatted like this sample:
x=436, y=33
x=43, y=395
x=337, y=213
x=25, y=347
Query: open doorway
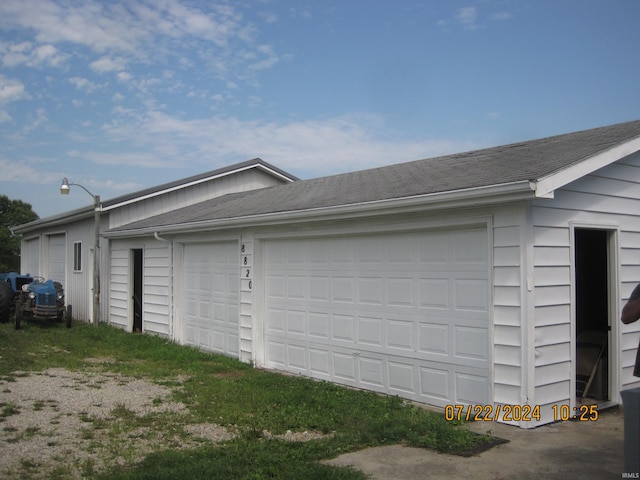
x=136, y=297
x=593, y=325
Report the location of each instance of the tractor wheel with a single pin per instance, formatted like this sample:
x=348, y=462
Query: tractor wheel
x=18, y=316
x=6, y=299
x=69, y=316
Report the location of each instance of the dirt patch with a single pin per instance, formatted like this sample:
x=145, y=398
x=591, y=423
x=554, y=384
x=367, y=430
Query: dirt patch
x=73, y=424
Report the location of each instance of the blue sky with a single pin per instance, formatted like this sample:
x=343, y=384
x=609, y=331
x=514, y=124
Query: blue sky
x=123, y=95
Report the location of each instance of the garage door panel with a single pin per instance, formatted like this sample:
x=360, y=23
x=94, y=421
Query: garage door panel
x=401, y=378
x=319, y=363
x=433, y=339
x=434, y=293
x=319, y=288
x=471, y=345
x=319, y=325
x=371, y=331
x=400, y=335
x=471, y=294
x=344, y=367
x=372, y=372
x=403, y=313
x=297, y=357
x=435, y=384
x=343, y=328
x=471, y=388
x=276, y=321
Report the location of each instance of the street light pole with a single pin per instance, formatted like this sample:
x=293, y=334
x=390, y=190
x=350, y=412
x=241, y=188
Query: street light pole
x=96, y=259
x=64, y=190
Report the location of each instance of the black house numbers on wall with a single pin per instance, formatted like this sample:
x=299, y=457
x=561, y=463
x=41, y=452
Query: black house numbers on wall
x=245, y=265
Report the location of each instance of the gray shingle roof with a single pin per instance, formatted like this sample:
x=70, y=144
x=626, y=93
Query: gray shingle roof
x=112, y=202
x=524, y=161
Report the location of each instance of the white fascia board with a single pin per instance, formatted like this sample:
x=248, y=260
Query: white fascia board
x=197, y=182
x=510, y=192
x=62, y=219
x=545, y=186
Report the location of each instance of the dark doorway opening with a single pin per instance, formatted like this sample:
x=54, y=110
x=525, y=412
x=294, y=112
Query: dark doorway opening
x=136, y=298
x=592, y=274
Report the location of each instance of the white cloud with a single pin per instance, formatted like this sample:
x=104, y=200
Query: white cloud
x=269, y=17
x=24, y=53
x=307, y=148
x=501, y=16
x=145, y=160
x=47, y=54
x=268, y=62
x=11, y=90
x=82, y=83
x=23, y=172
x=122, y=32
x=108, y=64
x=40, y=119
x=467, y=16
x=123, y=76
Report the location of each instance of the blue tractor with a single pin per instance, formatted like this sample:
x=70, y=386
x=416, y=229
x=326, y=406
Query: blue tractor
x=25, y=295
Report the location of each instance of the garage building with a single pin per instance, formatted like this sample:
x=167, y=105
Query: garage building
x=492, y=277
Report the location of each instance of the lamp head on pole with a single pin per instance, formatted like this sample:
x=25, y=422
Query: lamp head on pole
x=64, y=188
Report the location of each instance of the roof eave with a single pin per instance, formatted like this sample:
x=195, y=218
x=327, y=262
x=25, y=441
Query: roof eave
x=257, y=164
x=472, y=197
x=546, y=185
x=54, y=221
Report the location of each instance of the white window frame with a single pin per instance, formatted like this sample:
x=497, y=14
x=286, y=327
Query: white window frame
x=77, y=256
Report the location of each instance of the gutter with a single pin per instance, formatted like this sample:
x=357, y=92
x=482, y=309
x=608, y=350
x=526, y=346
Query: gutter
x=477, y=196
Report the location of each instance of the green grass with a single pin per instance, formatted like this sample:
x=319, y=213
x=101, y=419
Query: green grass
x=220, y=390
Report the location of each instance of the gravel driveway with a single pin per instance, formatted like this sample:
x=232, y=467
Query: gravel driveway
x=70, y=424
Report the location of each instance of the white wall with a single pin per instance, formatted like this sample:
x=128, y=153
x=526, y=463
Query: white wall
x=157, y=288
x=238, y=182
x=608, y=199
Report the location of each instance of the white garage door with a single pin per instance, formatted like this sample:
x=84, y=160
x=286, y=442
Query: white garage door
x=32, y=254
x=210, y=293
x=57, y=258
x=405, y=314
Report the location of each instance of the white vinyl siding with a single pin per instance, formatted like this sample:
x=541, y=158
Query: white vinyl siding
x=238, y=182
x=157, y=285
x=605, y=199
x=247, y=271
x=509, y=306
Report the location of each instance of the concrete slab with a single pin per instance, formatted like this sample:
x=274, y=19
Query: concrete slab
x=560, y=451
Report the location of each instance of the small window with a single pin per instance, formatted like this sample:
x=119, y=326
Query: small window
x=77, y=257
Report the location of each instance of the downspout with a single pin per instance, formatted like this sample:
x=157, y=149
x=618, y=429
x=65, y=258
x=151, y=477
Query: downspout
x=157, y=236
x=14, y=234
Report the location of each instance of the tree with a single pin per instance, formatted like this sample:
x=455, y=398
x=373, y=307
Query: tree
x=12, y=214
